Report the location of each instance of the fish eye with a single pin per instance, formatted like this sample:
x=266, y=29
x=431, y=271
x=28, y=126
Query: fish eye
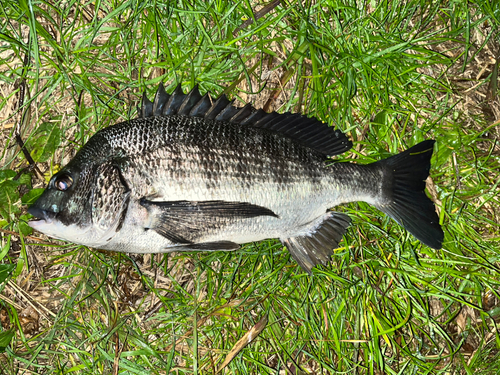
x=63, y=182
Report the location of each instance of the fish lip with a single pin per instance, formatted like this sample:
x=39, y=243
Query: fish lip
x=40, y=216
x=37, y=223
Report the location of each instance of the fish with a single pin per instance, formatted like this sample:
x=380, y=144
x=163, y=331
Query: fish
x=194, y=173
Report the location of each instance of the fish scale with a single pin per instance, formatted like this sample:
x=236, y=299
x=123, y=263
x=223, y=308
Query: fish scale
x=193, y=173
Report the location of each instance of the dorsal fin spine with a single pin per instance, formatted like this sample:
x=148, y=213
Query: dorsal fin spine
x=191, y=99
x=254, y=117
x=161, y=98
x=227, y=113
x=174, y=102
x=242, y=113
x=146, y=109
x=200, y=109
x=217, y=107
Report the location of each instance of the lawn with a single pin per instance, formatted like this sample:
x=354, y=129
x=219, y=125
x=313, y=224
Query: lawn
x=388, y=73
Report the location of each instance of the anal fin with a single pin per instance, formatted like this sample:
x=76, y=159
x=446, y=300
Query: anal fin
x=316, y=246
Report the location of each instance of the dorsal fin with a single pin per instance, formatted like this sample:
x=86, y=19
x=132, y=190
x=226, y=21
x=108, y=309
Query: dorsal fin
x=308, y=131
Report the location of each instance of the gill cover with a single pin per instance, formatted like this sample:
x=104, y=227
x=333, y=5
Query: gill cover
x=110, y=196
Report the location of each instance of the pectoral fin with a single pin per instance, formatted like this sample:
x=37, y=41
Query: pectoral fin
x=316, y=246
x=184, y=222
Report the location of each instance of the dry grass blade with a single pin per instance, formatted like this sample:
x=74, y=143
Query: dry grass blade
x=118, y=352
x=275, y=94
x=25, y=117
x=40, y=308
x=249, y=72
x=37, y=239
x=259, y=14
x=244, y=341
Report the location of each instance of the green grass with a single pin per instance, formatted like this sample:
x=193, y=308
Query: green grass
x=390, y=73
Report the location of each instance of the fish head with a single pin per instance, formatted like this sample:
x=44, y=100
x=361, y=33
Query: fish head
x=82, y=205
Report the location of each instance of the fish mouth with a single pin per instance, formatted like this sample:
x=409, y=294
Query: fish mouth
x=41, y=217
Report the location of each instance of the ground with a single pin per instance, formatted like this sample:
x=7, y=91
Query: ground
x=389, y=74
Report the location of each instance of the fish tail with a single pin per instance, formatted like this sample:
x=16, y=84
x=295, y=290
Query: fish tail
x=404, y=197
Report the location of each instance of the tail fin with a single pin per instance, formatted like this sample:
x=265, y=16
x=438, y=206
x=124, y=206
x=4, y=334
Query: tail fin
x=404, y=193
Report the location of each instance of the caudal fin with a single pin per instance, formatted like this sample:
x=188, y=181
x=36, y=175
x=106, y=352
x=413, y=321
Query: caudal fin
x=404, y=193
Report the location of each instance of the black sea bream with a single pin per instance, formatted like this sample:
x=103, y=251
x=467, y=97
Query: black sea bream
x=196, y=174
